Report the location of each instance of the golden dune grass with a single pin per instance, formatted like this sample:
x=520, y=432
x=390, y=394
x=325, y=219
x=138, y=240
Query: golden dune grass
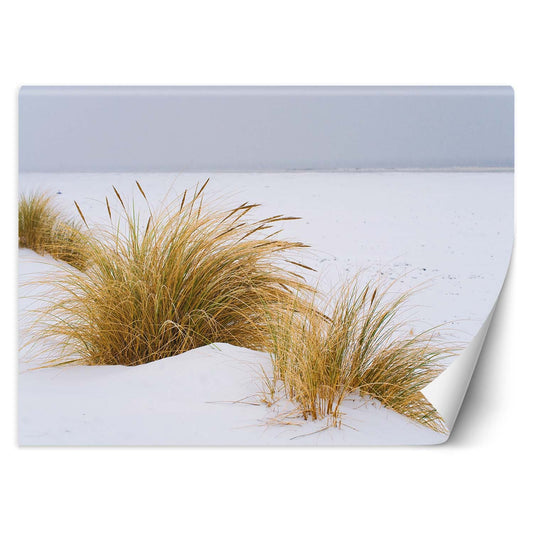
x=192, y=275
x=187, y=277
x=363, y=347
x=44, y=229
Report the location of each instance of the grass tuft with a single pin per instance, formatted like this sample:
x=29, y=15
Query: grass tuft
x=44, y=229
x=188, y=277
x=363, y=348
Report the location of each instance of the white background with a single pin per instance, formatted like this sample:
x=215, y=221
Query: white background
x=481, y=477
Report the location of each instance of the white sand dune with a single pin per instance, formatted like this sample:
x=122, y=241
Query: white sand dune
x=452, y=232
x=207, y=396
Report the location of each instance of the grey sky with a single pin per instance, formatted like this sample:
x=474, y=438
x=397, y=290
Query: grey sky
x=119, y=129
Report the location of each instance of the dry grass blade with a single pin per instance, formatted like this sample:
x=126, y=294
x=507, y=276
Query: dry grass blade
x=187, y=278
x=301, y=265
x=81, y=214
x=362, y=347
x=202, y=188
x=145, y=198
x=141, y=190
x=183, y=200
x=119, y=198
x=44, y=229
x=108, y=209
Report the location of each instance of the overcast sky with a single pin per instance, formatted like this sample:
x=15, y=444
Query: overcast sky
x=106, y=129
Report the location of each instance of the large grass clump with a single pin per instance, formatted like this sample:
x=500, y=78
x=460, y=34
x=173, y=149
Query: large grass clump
x=185, y=277
x=44, y=229
x=363, y=347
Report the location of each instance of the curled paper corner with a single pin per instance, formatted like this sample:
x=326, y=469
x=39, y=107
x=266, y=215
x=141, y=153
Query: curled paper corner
x=446, y=393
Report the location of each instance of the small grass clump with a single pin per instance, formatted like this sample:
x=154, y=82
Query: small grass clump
x=362, y=347
x=187, y=277
x=44, y=229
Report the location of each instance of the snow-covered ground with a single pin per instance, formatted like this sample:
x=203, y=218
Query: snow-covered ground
x=451, y=232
